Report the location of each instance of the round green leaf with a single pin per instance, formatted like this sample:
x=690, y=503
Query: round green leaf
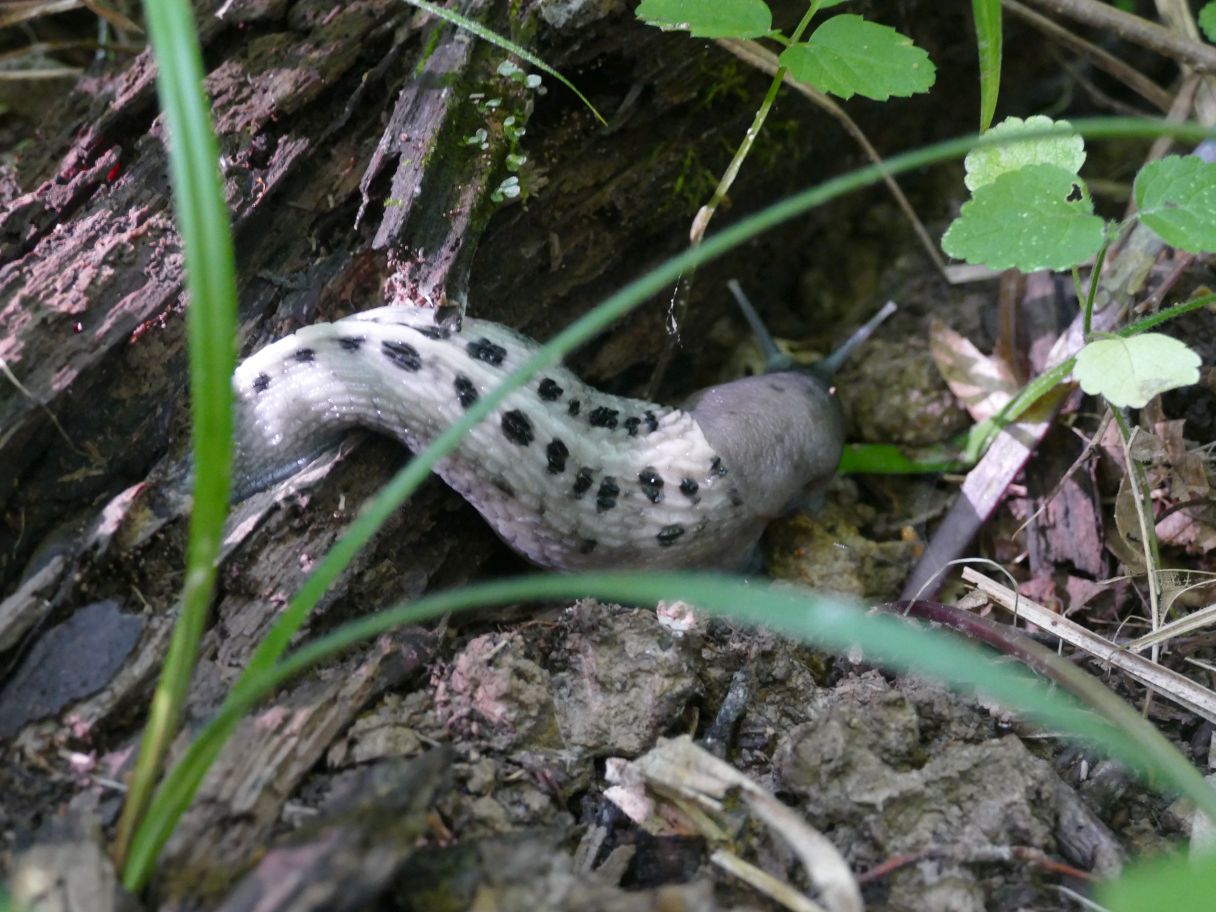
x=848, y=56
x=987, y=163
x=719, y=19
x=1176, y=197
x=1039, y=217
x=1129, y=372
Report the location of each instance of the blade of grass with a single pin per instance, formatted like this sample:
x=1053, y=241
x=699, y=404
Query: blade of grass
x=987, y=15
x=202, y=219
x=497, y=40
x=175, y=795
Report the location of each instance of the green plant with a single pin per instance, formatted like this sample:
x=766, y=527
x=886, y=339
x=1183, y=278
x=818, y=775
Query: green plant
x=846, y=55
x=1030, y=210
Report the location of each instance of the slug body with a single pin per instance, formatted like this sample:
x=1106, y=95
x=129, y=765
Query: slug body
x=569, y=477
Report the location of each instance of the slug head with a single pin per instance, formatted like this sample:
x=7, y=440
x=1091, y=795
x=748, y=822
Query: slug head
x=780, y=436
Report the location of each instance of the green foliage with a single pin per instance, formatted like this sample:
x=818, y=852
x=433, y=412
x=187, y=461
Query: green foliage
x=1031, y=210
x=202, y=220
x=1037, y=217
x=1130, y=372
x=1176, y=197
x=988, y=45
x=986, y=163
x=846, y=55
x=719, y=19
x=1207, y=21
x=1177, y=884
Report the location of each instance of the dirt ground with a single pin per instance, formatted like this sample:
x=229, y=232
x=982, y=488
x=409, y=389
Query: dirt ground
x=481, y=763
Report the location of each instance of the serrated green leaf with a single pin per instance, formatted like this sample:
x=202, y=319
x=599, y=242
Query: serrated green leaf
x=1129, y=372
x=848, y=56
x=1038, y=217
x=1176, y=197
x=987, y=163
x=1207, y=21
x=719, y=19
x=1178, y=883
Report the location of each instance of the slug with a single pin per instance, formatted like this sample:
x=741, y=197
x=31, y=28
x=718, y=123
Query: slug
x=569, y=477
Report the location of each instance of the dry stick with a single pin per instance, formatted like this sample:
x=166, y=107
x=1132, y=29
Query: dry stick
x=1103, y=60
x=762, y=58
x=1135, y=29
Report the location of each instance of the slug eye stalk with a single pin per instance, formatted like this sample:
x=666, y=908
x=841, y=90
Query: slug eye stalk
x=775, y=360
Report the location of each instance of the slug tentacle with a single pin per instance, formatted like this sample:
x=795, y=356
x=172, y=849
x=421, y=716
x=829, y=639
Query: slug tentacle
x=569, y=477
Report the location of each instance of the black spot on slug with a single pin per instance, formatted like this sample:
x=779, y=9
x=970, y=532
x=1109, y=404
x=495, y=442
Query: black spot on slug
x=517, y=428
x=736, y=499
x=350, y=343
x=689, y=488
x=652, y=423
x=506, y=489
x=668, y=534
x=605, y=497
x=716, y=467
x=305, y=355
x=261, y=383
x=587, y=545
x=776, y=387
x=652, y=484
x=485, y=350
x=603, y=417
x=549, y=391
x=631, y=425
x=465, y=391
x=582, y=483
x=574, y=407
x=402, y=355
x=432, y=332
x=557, y=455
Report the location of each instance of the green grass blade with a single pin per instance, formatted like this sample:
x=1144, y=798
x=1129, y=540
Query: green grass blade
x=497, y=40
x=202, y=219
x=180, y=785
x=988, y=42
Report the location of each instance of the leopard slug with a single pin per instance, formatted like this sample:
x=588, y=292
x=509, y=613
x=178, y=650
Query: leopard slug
x=569, y=477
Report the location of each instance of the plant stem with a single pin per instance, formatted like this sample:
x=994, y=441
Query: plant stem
x=1094, y=275
x=1142, y=497
x=700, y=222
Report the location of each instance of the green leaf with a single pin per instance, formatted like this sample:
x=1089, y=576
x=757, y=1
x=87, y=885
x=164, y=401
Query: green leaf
x=1176, y=197
x=1178, y=884
x=987, y=163
x=1130, y=372
x=848, y=56
x=987, y=15
x=1207, y=21
x=1039, y=217
x=719, y=19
